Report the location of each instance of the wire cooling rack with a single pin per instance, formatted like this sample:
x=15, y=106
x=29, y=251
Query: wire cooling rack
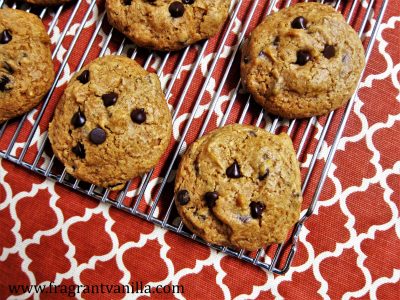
x=202, y=86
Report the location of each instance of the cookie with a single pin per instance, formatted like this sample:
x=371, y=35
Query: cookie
x=47, y=2
x=167, y=25
x=112, y=122
x=239, y=186
x=302, y=61
x=26, y=68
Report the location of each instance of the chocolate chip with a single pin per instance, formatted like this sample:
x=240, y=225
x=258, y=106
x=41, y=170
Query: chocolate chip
x=299, y=23
x=243, y=219
x=211, y=198
x=346, y=58
x=84, y=77
x=188, y=1
x=126, y=2
x=197, y=167
x=138, y=115
x=183, y=197
x=265, y=175
x=246, y=59
x=4, y=80
x=329, y=51
x=78, y=119
x=5, y=37
x=303, y=56
x=176, y=9
x=233, y=171
x=252, y=133
x=276, y=41
x=256, y=209
x=97, y=136
x=262, y=54
x=109, y=99
x=79, y=150
x=8, y=68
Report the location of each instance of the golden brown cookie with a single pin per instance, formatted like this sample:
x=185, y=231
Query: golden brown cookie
x=26, y=68
x=302, y=61
x=112, y=122
x=239, y=186
x=167, y=24
x=47, y=2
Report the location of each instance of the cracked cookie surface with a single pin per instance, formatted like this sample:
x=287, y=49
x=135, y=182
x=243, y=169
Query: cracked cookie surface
x=112, y=122
x=167, y=25
x=302, y=61
x=239, y=186
x=26, y=68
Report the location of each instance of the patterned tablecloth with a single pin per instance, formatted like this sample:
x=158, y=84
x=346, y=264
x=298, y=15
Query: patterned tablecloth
x=54, y=237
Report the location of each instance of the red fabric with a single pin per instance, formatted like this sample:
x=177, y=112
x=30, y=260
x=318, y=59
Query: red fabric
x=348, y=249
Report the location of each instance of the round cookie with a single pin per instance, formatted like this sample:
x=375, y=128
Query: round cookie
x=239, y=186
x=26, y=68
x=112, y=122
x=47, y=2
x=302, y=61
x=167, y=25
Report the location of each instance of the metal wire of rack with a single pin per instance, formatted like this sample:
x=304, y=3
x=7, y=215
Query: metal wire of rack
x=24, y=140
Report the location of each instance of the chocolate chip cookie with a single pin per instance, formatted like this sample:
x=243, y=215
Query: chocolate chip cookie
x=167, y=25
x=302, y=61
x=26, y=68
x=112, y=122
x=239, y=186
